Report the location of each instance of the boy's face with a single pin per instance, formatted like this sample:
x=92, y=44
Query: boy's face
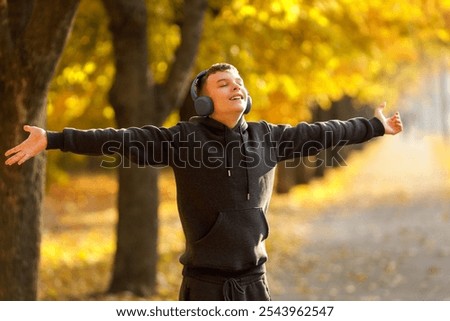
x=227, y=91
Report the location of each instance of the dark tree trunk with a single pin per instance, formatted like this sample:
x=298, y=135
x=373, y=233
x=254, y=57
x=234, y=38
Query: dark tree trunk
x=343, y=109
x=138, y=101
x=321, y=115
x=32, y=37
x=334, y=157
x=307, y=168
x=187, y=110
x=137, y=227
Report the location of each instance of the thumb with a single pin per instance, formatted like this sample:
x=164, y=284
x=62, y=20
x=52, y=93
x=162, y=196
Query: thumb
x=382, y=106
x=379, y=110
x=32, y=130
x=27, y=128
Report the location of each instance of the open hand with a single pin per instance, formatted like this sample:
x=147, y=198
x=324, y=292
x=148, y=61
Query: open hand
x=392, y=125
x=33, y=145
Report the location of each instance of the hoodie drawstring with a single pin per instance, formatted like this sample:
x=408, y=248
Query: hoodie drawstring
x=229, y=158
x=244, y=151
x=231, y=288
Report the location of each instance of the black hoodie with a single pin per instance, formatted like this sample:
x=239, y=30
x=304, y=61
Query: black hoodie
x=224, y=176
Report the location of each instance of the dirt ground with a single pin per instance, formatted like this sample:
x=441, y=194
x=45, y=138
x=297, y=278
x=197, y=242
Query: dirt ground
x=388, y=239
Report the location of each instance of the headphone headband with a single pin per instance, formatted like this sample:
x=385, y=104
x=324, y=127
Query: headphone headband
x=195, y=83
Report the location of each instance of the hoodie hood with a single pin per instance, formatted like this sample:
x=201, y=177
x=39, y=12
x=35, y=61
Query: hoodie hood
x=214, y=124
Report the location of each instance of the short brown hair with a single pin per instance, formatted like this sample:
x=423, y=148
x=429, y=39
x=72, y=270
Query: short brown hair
x=222, y=66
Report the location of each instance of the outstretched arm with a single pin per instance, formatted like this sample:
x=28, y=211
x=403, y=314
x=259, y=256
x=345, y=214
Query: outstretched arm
x=148, y=145
x=392, y=125
x=30, y=147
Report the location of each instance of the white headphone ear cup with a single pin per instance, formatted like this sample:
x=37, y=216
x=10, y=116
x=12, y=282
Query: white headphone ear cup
x=203, y=106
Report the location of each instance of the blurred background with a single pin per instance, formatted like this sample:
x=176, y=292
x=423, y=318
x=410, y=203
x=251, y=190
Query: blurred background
x=374, y=226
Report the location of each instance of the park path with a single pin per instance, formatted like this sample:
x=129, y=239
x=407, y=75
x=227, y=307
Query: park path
x=389, y=239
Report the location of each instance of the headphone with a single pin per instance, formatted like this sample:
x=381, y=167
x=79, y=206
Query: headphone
x=204, y=105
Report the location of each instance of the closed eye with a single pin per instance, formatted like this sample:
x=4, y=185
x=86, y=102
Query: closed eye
x=225, y=82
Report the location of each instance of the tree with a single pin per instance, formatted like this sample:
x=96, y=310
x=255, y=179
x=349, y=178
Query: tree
x=138, y=100
x=32, y=37
x=299, y=54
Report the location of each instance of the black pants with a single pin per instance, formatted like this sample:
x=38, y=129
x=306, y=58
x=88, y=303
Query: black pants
x=218, y=288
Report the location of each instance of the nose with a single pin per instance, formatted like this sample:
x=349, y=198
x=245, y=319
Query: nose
x=236, y=86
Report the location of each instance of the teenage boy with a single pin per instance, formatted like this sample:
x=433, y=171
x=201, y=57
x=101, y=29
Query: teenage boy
x=224, y=171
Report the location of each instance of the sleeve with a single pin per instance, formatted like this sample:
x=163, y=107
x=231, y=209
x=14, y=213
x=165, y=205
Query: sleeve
x=148, y=145
x=308, y=139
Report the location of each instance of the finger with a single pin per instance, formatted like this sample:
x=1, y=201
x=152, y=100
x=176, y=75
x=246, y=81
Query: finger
x=395, y=117
x=29, y=129
x=18, y=158
x=10, y=152
x=24, y=158
x=12, y=160
x=381, y=106
x=8, y=162
x=17, y=148
x=13, y=150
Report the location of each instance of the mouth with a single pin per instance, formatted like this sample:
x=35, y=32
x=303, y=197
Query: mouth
x=237, y=97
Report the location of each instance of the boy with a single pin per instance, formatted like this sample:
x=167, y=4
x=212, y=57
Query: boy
x=224, y=170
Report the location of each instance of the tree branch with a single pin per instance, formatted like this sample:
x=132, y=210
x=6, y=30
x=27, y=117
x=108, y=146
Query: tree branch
x=172, y=93
x=46, y=33
x=128, y=26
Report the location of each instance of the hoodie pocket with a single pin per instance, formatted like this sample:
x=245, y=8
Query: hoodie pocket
x=235, y=242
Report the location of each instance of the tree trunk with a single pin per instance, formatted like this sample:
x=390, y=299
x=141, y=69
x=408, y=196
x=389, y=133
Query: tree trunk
x=32, y=37
x=321, y=160
x=138, y=101
x=342, y=109
x=134, y=262
x=187, y=110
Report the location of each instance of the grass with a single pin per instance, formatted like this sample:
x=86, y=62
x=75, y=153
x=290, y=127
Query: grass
x=78, y=241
